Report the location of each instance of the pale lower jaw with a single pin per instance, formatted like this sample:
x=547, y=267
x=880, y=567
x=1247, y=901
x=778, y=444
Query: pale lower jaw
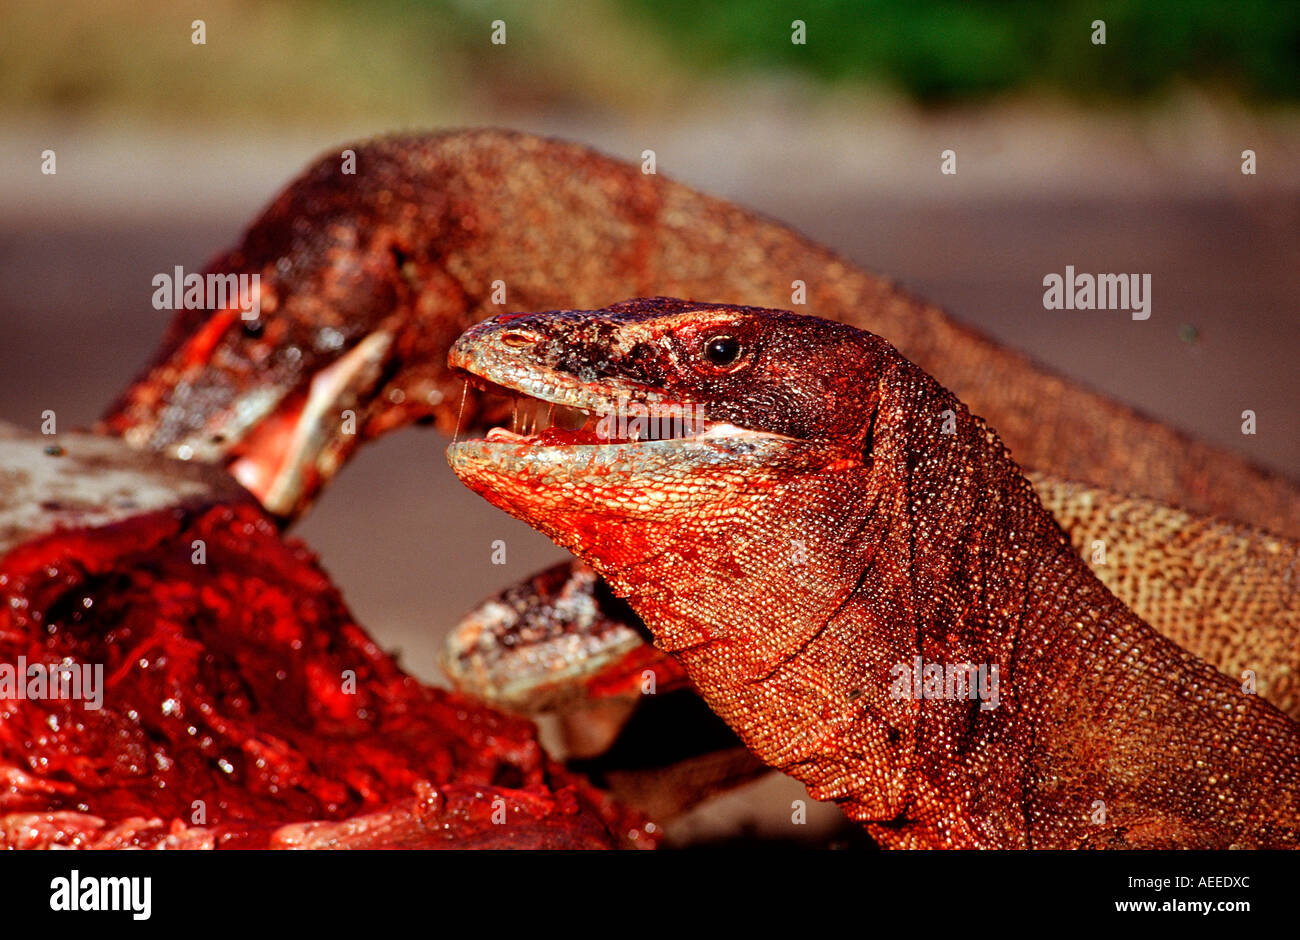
x=285, y=472
x=712, y=432
x=720, y=449
x=647, y=474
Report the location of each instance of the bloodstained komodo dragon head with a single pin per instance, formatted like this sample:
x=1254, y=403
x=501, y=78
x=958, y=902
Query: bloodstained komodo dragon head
x=798, y=513
x=807, y=485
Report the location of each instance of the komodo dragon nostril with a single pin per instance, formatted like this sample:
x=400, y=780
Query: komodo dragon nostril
x=519, y=338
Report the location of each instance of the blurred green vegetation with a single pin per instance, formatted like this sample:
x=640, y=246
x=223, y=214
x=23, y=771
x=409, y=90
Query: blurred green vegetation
x=417, y=62
x=951, y=49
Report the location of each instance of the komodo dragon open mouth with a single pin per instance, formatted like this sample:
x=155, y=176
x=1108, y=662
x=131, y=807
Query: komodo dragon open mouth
x=552, y=410
x=576, y=419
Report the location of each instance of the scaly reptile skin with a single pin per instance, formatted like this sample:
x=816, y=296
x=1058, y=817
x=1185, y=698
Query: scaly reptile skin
x=406, y=253
x=822, y=536
x=1224, y=592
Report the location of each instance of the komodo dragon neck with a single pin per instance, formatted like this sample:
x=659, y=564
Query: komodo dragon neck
x=822, y=536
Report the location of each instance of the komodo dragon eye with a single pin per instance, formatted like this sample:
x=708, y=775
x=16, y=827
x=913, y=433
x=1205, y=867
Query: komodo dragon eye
x=722, y=350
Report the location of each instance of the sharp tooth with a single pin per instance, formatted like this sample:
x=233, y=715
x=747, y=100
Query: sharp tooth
x=501, y=434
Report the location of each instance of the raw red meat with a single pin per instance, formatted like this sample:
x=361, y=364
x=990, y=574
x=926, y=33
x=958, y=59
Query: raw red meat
x=243, y=707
